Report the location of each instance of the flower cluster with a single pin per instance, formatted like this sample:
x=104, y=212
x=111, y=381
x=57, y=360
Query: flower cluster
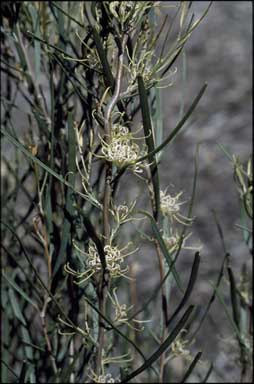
x=122, y=150
x=170, y=206
x=107, y=378
x=146, y=66
x=106, y=360
x=121, y=312
x=178, y=347
x=175, y=240
x=127, y=13
x=114, y=261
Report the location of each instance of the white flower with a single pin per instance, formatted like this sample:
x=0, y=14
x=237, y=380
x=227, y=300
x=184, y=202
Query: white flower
x=114, y=260
x=104, y=378
x=121, y=313
x=178, y=347
x=174, y=240
x=128, y=13
x=170, y=206
x=122, y=150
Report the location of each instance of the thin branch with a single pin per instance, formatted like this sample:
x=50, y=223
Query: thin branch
x=103, y=285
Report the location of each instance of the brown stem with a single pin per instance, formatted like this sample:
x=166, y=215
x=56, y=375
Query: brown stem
x=104, y=282
x=45, y=331
x=163, y=290
x=164, y=308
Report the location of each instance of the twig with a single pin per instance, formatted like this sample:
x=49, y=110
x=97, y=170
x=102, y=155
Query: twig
x=103, y=285
x=45, y=331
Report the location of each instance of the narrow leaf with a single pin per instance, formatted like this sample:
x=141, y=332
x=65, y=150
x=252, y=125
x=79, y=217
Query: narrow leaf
x=230, y=319
x=211, y=299
x=191, y=367
x=28, y=341
x=37, y=45
x=4, y=378
x=40, y=279
x=61, y=258
x=67, y=14
x=115, y=328
x=150, y=144
x=208, y=373
x=163, y=346
x=16, y=307
x=5, y=354
x=109, y=79
x=19, y=290
x=23, y=149
x=22, y=376
x=192, y=280
x=234, y=298
x=179, y=125
x=164, y=249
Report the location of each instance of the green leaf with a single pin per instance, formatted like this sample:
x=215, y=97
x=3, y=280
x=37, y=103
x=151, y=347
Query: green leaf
x=208, y=373
x=230, y=318
x=157, y=117
x=115, y=328
x=61, y=311
x=234, y=298
x=220, y=230
x=61, y=258
x=211, y=299
x=26, y=152
x=28, y=351
x=30, y=34
x=4, y=376
x=67, y=14
x=174, y=52
x=66, y=373
x=109, y=79
x=179, y=125
x=150, y=144
x=16, y=307
x=22, y=270
x=164, y=249
x=163, y=347
x=192, y=200
x=22, y=375
x=192, y=280
x=191, y=367
x=37, y=45
x=19, y=290
x=5, y=354
x=226, y=152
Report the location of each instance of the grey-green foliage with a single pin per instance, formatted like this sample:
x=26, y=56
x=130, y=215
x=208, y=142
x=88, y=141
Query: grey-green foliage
x=87, y=72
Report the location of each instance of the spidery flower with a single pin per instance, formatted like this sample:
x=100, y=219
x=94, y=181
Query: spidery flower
x=179, y=347
x=170, y=206
x=128, y=13
x=121, y=150
x=105, y=378
x=114, y=259
x=174, y=241
x=121, y=312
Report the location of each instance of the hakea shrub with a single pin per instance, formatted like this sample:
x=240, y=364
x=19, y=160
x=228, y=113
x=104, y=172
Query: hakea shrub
x=91, y=73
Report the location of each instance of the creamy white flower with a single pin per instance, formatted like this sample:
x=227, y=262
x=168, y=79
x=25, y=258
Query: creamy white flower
x=121, y=149
x=170, y=206
x=114, y=260
x=173, y=242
